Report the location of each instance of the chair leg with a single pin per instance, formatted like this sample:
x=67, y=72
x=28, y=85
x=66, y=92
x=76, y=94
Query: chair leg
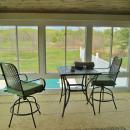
x=11, y=117
x=112, y=97
x=114, y=104
x=12, y=111
x=100, y=100
x=103, y=94
x=36, y=104
x=114, y=101
x=31, y=112
x=18, y=102
x=92, y=93
x=18, y=105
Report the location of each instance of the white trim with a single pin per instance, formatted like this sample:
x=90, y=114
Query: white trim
x=64, y=19
x=65, y=45
x=129, y=63
x=17, y=47
x=88, y=42
x=111, y=45
x=42, y=50
x=45, y=19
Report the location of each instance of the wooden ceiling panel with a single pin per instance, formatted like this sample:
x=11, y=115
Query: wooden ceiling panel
x=66, y=6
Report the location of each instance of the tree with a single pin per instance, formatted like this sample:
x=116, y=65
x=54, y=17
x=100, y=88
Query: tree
x=121, y=37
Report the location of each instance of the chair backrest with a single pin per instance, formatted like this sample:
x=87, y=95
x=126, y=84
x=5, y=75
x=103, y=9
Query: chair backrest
x=11, y=76
x=115, y=67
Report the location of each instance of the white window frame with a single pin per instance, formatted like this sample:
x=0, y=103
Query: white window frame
x=42, y=20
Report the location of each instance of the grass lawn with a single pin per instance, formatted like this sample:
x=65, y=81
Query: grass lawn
x=55, y=57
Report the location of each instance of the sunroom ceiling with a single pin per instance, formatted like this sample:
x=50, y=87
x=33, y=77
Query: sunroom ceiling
x=117, y=7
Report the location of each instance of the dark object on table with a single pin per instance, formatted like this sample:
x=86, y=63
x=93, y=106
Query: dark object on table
x=79, y=65
x=89, y=65
x=72, y=68
x=83, y=65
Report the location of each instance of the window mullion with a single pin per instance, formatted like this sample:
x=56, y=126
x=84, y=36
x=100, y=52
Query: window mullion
x=129, y=61
x=17, y=49
x=65, y=45
x=111, y=45
x=42, y=49
x=88, y=43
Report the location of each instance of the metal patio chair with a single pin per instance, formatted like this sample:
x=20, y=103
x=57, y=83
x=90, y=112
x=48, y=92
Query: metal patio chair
x=23, y=89
x=100, y=84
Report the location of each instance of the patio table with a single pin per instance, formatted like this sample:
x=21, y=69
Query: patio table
x=65, y=72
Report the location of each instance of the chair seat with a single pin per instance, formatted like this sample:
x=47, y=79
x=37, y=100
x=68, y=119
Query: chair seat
x=28, y=88
x=103, y=80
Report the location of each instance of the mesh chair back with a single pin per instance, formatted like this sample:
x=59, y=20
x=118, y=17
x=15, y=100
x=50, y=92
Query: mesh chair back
x=11, y=76
x=115, y=67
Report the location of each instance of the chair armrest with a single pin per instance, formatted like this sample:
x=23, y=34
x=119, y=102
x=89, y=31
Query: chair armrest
x=43, y=80
x=26, y=77
x=103, y=68
x=36, y=80
x=105, y=73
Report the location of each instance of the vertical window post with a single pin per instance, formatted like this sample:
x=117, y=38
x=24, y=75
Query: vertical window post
x=65, y=44
x=42, y=50
x=129, y=62
x=88, y=44
x=111, y=44
x=17, y=49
